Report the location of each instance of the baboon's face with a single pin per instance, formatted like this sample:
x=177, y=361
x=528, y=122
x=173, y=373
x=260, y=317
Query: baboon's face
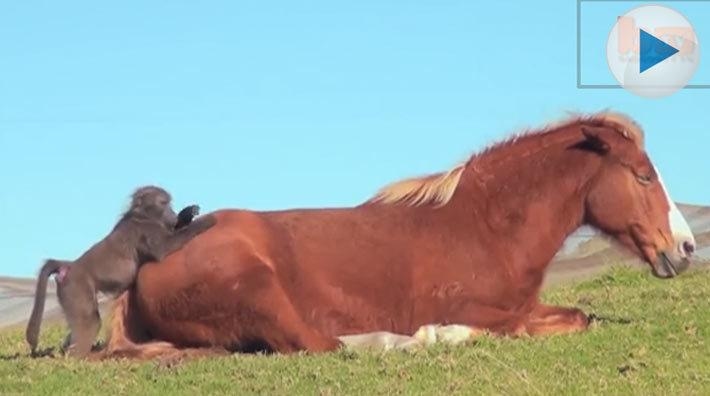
x=154, y=203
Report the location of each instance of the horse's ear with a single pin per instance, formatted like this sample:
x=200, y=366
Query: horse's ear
x=593, y=141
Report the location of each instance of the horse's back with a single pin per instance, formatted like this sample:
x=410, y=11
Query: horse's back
x=215, y=251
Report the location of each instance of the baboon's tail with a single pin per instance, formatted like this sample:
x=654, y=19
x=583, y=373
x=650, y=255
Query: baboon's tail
x=32, y=333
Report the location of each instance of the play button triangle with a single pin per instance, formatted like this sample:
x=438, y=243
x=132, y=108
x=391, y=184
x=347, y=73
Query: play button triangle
x=653, y=51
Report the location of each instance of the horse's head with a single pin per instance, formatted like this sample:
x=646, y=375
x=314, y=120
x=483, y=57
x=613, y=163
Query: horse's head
x=628, y=201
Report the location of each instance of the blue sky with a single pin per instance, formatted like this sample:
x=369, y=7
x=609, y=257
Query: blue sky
x=267, y=104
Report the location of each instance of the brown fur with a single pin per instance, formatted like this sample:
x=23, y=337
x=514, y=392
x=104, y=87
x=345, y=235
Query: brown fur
x=296, y=279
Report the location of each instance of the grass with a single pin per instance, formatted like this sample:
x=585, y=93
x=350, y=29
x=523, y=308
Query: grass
x=655, y=341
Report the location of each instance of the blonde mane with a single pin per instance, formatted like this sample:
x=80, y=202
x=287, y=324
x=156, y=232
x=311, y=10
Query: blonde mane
x=439, y=188
x=624, y=125
x=434, y=189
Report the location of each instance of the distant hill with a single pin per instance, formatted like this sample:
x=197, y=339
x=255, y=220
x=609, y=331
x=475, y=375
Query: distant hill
x=584, y=253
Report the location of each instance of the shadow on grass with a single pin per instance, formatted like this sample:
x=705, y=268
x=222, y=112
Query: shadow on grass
x=49, y=352
x=594, y=318
x=42, y=353
x=14, y=356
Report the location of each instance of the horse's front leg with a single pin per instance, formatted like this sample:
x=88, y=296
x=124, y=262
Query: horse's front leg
x=547, y=319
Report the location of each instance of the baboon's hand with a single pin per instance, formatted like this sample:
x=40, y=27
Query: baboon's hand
x=194, y=210
x=186, y=215
x=188, y=212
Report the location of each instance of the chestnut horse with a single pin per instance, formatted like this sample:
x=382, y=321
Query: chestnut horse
x=469, y=246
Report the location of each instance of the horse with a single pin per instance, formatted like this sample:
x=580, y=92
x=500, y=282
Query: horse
x=467, y=247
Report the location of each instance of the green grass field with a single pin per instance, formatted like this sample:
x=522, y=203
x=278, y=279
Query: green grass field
x=656, y=341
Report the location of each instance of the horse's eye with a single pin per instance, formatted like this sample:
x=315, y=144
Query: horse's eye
x=644, y=179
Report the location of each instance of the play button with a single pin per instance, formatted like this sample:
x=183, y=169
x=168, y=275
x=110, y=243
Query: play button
x=653, y=51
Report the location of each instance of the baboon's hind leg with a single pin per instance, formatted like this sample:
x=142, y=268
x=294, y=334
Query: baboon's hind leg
x=81, y=310
x=83, y=333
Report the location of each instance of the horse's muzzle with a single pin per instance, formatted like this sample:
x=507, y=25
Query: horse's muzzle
x=666, y=266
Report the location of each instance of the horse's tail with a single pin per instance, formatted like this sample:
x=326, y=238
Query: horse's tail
x=32, y=333
x=127, y=337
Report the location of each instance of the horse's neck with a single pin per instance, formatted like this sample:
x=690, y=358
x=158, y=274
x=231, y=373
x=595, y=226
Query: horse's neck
x=533, y=203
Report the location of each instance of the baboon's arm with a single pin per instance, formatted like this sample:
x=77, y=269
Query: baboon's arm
x=156, y=247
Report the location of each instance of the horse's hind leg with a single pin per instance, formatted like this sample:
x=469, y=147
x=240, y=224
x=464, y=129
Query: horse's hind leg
x=278, y=325
x=547, y=319
x=127, y=336
x=125, y=328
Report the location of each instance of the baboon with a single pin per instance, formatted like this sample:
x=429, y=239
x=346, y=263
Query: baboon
x=148, y=231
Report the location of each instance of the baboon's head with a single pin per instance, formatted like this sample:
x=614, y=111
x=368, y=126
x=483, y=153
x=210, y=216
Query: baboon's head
x=153, y=203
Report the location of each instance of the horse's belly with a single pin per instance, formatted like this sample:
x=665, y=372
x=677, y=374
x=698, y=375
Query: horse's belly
x=334, y=312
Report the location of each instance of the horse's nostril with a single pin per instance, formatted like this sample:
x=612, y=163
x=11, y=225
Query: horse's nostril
x=688, y=248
